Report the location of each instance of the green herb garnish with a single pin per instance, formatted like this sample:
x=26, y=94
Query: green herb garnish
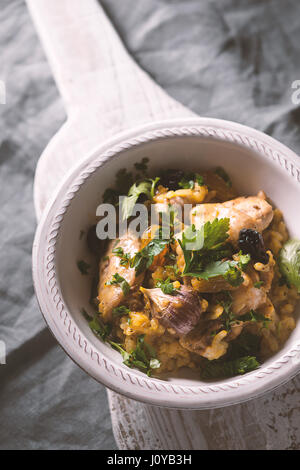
x=166, y=286
x=143, y=165
x=254, y=316
x=258, y=284
x=146, y=188
x=101, y=330
x=83, y=267
x=125, y=257
x=143, y=357
x=244, y=260
x=86, y=315
x=222, y=173
x=119, y=280
x=121, y=310
x=189, y=179
x=217, y=369
x=143, y=259
x=289, y=262
x=204, y=249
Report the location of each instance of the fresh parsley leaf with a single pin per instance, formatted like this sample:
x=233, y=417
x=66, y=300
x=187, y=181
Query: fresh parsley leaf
x=121, y=310
x=110, y=196
x=289, y=263
x=124, y=179
x=222, y=173
x=218, y=369
x=154, y=363
x=166, y=286
x=244, y=260
x=125, y=257
x=86, y=315
x=227, y=269
x=204, y=248
x=143, y=165
x=254, y=316
x=83, y=267
x=258, y=284
x=117, y=279
x=233, y=275
x=188, y=180
x=101, y=330
x=118, y=347
x=143, y=259
x=143, y=357
x=215, y=233
x=146, y=187
x=246, y=344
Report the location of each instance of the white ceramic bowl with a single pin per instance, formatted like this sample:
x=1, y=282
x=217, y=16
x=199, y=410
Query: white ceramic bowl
x=253, y=160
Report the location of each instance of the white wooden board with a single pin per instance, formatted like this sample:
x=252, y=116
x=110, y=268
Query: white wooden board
x=105, y=92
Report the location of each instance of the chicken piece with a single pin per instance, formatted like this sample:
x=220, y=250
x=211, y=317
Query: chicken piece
x=252, y=212
x=246, y=298
x=181, y=311
x=256, y=207
x=110, y=296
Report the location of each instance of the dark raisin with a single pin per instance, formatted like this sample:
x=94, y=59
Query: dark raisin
x=251, y=241
x=170, y=179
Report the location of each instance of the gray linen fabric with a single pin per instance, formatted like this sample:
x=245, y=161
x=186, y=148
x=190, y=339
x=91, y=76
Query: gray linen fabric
x=232, y=59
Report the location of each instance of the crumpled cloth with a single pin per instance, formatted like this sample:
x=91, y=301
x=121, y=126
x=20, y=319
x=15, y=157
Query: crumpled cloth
x=234, y=59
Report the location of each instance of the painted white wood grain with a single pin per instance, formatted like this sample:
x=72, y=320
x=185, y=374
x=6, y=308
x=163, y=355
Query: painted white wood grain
x=105, y=92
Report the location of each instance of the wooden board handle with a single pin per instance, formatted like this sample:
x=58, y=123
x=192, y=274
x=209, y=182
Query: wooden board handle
x=75, y=35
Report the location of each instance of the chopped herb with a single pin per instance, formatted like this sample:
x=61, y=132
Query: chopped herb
x=143, y=165
x=143, y=357
x=189, y=179
x=145, y=187
x=143, y=259
x=254, y=316
x=129, y=321
x=244, y=260
x=85, y=314
x=83, y=267
x=124, y=180
x=221, y=369
x=209, y=247
x=187, y=182
x=153, y=185
x=166, y=286
x=199, y=179
x=125, y=257
x=110, y=196
x=154, y=363
x=233, y=275
x=222, y=173
x=246, y=344
x=117, y=279
x=289, y=263
x=121, y=310
x=258, y=284
x=101, y=330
